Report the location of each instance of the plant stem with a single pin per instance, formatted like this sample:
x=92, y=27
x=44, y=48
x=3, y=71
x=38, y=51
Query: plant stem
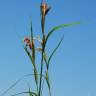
x=43, y=48
x=41, y=71
x=41, y=76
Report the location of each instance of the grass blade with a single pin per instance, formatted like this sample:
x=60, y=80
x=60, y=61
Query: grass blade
x=29, y=55
x=32, y=93
x=33, y=46
x=59, y=27
x=45, y=59
x=33, y=57
x=54, y=51
x=48, y=82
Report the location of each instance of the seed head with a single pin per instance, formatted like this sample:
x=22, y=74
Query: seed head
x=44, y=8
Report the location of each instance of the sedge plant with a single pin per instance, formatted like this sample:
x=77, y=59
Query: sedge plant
x=30, y=48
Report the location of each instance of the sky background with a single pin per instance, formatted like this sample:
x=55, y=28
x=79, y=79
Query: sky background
x=73, y=68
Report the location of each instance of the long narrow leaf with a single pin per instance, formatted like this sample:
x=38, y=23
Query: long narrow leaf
x=54, y=51
x=48, y=82
x=29, y=55
x=59, y=27
x=32, y=42
x=42, y=86
x=45, y=59
x=33, y=93
x=33, y=57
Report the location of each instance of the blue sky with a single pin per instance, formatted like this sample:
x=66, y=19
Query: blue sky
x=73, y=68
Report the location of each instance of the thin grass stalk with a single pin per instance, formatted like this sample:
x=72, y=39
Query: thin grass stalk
x=43, y=48
x=43, y=23
x=33, y=57
x=41, y=70
x=47, y=73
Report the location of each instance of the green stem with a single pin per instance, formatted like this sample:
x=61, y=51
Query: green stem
x=41, y=71
x=41, y=76
x=43, y=23
x=43, y=48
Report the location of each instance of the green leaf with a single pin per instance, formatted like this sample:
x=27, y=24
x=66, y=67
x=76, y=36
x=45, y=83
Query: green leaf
x=36, y=76
x=28, y=53
x=33, y=46
x=45, y=59
x=33, y=56
x=32, y=93
x=54, y=51
x=48, y=82
x=59, y=27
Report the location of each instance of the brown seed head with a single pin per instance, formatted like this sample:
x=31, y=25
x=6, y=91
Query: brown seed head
x=44, y=8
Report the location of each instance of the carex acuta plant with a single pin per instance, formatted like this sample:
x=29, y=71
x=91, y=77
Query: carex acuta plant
x=30, y=47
